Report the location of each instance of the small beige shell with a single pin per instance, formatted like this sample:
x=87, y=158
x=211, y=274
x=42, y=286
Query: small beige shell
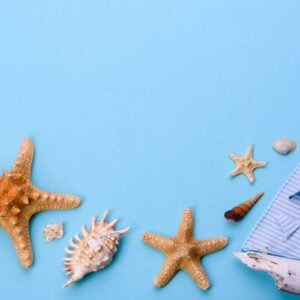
x=94, y=250
x=53, y=231
x=284, y=146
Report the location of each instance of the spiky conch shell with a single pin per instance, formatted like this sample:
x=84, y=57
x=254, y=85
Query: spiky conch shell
x=241, y=209
x=94, y=250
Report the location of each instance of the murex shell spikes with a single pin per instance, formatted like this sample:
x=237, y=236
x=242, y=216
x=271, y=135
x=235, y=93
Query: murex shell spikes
x=94, y=250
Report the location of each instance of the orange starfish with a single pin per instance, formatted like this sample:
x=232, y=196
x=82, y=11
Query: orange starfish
x=183, y=252
x=19, y=200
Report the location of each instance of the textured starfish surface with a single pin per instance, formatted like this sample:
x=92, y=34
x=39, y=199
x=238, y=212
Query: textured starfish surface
x=183, y=252
x=246, y=164
x=19, y=200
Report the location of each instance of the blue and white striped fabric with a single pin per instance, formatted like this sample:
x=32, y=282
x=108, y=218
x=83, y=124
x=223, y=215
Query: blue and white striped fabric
x=278, y=231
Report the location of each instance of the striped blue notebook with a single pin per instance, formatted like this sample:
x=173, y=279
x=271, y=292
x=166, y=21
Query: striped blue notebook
x=278, y=231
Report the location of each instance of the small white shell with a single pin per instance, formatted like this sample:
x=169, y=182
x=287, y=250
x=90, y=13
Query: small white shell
x=53, y=231
x=94, y=250
x=284, y=145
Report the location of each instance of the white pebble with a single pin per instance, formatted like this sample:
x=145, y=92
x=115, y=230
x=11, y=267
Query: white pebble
x=284, y=145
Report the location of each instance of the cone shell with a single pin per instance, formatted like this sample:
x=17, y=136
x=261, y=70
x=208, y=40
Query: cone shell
x=94, y=250
x=241, y=209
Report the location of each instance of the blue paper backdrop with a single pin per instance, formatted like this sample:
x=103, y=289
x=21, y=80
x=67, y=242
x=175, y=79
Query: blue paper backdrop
x=134, y=106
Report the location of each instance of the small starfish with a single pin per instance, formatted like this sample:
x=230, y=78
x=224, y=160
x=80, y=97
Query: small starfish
x=19, y=200
x=246, y=164
x=183, y=252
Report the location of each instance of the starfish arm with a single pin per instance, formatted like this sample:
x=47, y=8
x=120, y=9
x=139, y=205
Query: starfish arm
x=249, y=174
x=21, y=241
x=233, y=156
x=195, y=270
x=157, y=241
x=235, y=171
x=204, y=247
x=249, y=152
x=185, y=230
x=24, y=160
x=167, y=271
x=45, y=200
x=258, y=164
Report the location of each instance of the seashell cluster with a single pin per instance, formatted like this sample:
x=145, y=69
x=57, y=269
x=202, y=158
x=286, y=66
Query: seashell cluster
x=284, y=146
x=94, y=250
x=53, y=231
x=241, y=209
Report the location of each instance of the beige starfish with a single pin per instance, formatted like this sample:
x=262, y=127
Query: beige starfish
x=19, y=200
x=183, y=252
x=246, y=164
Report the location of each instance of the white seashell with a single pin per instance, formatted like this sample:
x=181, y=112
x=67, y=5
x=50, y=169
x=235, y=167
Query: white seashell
x=284, y=145
x=94, y=250
x=53, y=231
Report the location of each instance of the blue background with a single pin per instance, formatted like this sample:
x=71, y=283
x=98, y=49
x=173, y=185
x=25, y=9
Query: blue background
x=134, y=106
